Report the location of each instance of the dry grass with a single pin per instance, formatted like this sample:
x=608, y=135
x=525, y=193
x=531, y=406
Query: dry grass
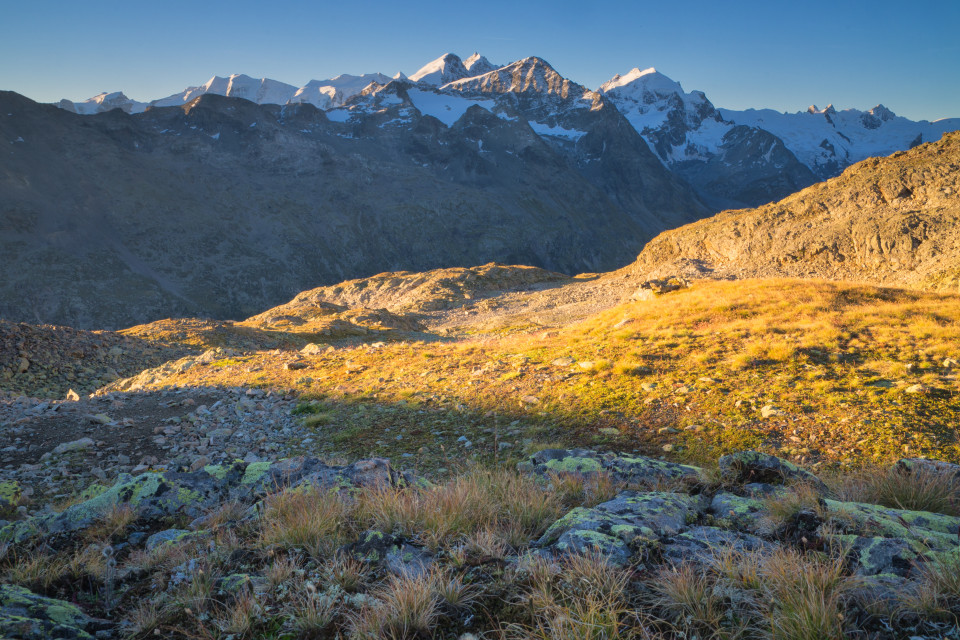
x=306, y=519
x=480, y=500
x=692, y=603
x=112, y=524
x=583, y=597
x=831, y=356
x=916, y=490
x=409, y=608
x=349, y=574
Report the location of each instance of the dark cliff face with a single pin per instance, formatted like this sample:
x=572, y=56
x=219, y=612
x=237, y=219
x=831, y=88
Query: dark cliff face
x=223, y=208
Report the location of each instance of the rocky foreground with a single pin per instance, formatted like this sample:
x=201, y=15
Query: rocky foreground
x=574, y=543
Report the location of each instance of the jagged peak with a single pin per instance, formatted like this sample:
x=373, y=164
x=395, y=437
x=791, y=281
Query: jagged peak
x=477, y=64
x=532, y=74
x=647, y=80
x=814, y=110
x=446, y=68
x=883, y=113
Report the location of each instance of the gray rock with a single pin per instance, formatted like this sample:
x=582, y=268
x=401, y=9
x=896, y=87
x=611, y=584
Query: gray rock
x=700, y=545
x=621, y=526
x=28, y=616
x=76, y=445
x=621, y=467
x=752, y=466
x=163, y=537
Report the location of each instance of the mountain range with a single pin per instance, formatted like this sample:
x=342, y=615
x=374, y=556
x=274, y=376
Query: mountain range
x=733, y=158
x=232, y=197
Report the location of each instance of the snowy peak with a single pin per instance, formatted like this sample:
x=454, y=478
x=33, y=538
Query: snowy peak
x=102, y=103
x=649, y=86
x=326, y=94
x=478, y=65
x=530, y=75
x=881, y=112
x=443, y=70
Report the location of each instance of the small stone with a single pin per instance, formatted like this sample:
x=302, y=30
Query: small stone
x=668, y=448
x=313, y=349
x=530, y=400
x=610, y=431
x=951, y=363
x=648, y=386
x=563, y=362
x=199, y=463
x=295, y=365
x=663, y=430
x=23, y=365
x=915, y=388
x=769, y=411
x=586, y=364
x=73, y=396
x=76, y=445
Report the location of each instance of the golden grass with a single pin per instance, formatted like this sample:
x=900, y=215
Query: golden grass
x=832, y=357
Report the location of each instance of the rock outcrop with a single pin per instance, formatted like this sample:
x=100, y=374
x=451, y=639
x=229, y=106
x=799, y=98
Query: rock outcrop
x=891, y=221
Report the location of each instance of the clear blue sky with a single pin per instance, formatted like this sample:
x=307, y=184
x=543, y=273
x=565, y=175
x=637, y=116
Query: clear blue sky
x=772, y=53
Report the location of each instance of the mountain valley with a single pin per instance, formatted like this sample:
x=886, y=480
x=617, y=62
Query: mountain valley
x=471, y=354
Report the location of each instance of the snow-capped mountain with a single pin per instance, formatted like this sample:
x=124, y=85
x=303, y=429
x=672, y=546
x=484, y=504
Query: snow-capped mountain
x=444, y=69
x=731, y=166
x=102, y=103
x=732, y=158
x=828, y=141
x=477, y=64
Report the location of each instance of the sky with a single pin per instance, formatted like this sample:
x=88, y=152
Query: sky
x=762, y=54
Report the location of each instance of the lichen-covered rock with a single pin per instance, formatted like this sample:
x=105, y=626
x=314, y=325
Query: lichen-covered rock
x=741, y=513
x=373, y=546
x=618, y=527
x=752, y=466
x=166, y=536
x=630, y=469
x=871, y=556
x=921, y=529
x=28, y=616
x=914, y=465
x=157, y=495
x=9, y=493
x=390, y=551
x=701, y=544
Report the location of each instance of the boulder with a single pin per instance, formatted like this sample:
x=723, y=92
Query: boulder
x=700, y=545
x=629, y=469
x=28, y=616
x=752, y=466
x=619, y=527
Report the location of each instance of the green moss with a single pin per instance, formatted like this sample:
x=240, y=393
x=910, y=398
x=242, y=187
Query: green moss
x=920, y=528
x=23, y=611
x=574, y=464
x=254, y=472
x=187, y=496
x=9, y=491
x=217, y=471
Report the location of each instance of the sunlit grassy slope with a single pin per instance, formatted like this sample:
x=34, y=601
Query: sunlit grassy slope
x=821, y=372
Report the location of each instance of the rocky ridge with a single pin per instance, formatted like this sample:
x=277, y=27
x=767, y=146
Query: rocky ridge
x=884, y=220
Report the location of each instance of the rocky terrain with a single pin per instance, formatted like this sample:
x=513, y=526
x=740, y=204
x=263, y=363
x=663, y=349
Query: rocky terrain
x=887, y=220
x=575, y=543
